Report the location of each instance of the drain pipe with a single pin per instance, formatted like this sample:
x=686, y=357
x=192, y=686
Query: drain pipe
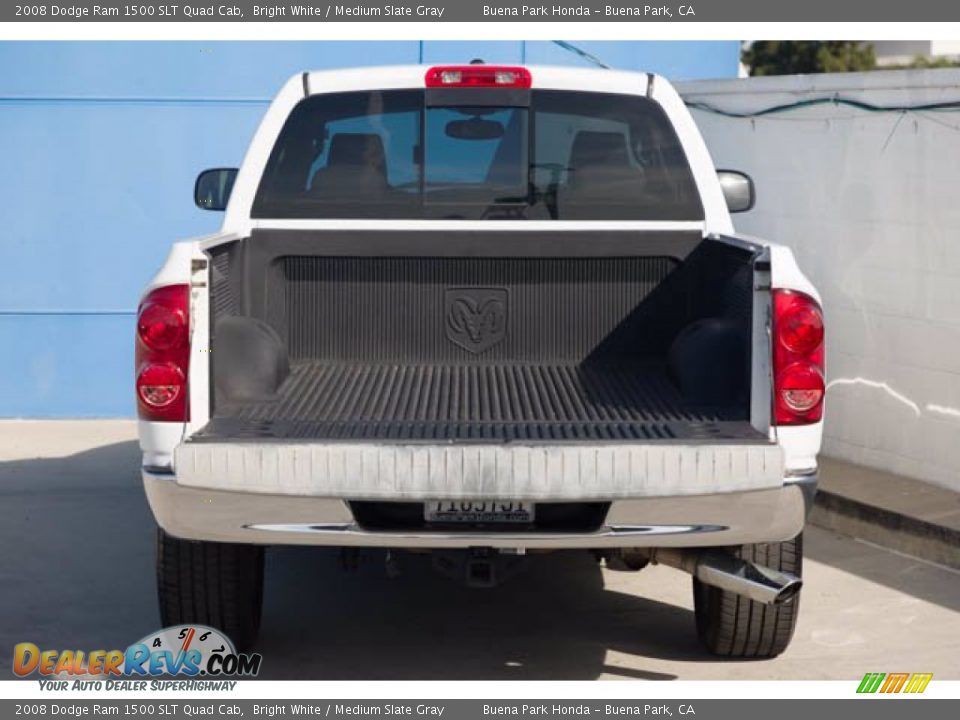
x=724, y=571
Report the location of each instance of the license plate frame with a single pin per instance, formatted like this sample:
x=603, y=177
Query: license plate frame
x=479, y=512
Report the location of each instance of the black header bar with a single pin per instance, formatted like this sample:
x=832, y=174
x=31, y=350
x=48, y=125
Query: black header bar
x=486, y=11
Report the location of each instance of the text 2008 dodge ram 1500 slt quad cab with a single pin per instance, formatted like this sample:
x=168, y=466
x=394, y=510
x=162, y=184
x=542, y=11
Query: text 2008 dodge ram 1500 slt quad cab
x=483, y=312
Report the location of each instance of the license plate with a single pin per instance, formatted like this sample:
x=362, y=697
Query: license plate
x=478, y=511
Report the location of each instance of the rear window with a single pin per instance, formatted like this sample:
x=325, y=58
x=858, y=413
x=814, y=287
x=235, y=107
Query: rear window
x=566, y=156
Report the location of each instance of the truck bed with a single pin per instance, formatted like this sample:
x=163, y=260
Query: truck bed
x=475, y=336
x=477, y=402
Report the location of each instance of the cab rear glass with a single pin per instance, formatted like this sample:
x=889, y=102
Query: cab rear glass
x=565, y=156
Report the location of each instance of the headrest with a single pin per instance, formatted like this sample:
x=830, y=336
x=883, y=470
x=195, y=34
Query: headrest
x=599, y=148
x=365, y=149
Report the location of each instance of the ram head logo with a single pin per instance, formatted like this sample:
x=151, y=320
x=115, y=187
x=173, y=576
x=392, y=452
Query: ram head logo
x=476, y=318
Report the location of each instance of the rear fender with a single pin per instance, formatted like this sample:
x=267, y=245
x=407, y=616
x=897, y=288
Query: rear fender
x=801, y=444
x=185, y=264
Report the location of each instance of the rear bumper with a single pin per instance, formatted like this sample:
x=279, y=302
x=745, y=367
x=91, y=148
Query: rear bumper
x=544, y=471
x=690, y=520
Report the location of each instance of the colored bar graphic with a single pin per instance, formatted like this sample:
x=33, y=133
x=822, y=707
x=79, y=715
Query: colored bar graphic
x=894, y=682
x=870, y=682
x=918, y=682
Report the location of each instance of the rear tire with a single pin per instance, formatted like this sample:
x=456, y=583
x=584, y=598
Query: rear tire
x=733, y=626
x=209, y=583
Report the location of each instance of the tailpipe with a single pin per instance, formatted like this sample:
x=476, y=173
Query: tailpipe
x=722, y=570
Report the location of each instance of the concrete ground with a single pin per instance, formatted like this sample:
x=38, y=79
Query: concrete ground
x=76, y=569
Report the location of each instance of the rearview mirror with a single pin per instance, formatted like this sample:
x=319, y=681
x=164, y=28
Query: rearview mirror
x=738, y=190
x=476, y=128
x=213, y=187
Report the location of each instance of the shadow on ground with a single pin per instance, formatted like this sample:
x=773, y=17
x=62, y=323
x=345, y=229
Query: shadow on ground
x=76, y=552
x=909, y=575
x=554, y=621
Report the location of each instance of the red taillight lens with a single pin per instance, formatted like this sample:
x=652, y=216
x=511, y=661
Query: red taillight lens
x=798, y=358
x=160, y=385
x=161, y=326
x=484, y=76
x=800, y=388
x=163, y=354
x=800, y=323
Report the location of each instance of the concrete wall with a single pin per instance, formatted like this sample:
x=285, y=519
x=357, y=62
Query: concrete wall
x=100, y=143
x=870, y=204
x=904, y=52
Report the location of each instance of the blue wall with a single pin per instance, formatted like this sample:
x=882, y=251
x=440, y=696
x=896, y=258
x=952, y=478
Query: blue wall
x=99, y=146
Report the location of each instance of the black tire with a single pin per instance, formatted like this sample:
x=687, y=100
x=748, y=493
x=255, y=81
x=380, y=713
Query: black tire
x=209, y=583
x=733, y=626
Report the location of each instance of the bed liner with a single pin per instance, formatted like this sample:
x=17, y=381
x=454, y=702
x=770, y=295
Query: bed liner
x=496, y=403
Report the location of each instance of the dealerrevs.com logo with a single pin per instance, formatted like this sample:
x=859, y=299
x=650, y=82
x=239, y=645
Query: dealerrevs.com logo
x=191, y=651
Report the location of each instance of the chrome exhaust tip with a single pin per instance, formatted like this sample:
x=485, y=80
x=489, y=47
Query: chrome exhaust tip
x=756, y=582
x=718, y=569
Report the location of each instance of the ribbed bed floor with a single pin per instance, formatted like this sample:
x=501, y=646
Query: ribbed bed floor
x=475, y=402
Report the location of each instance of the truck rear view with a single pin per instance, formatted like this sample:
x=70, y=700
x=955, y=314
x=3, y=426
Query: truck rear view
x=480, y=311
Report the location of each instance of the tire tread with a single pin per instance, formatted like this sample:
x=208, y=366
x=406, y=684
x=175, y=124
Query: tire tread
x=734, y=626
x=209, y=583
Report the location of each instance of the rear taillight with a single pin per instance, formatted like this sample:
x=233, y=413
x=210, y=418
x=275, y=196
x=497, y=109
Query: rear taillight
x=163, y=354
x=798, y=357
x=483, y=76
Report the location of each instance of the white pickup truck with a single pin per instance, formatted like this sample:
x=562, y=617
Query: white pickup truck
x=484, y=312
